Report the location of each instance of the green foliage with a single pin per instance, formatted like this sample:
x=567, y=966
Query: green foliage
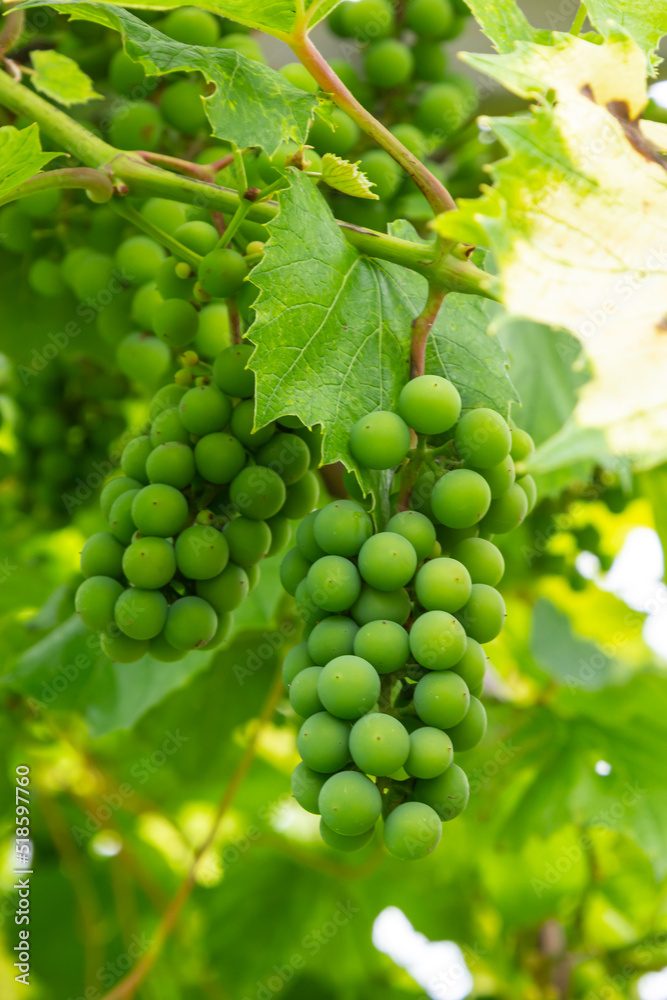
x=60, y=78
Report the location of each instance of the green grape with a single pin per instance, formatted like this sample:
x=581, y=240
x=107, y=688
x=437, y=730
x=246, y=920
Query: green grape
x=105, y=230
x=441, y=699
x=249, y=541
x=348, y=686
x=380, y=440
x=293, y=569
x=334, y=583
x=126, y=76
x=417, y=529
x=306, y=542
x=257, y=492
x=94, y=276
x=102, y=555
x=121, y=648
x=144, y=303
x=219, y=458
x=182, y=107
x=442, y=110
x=342, y=527
x=115, y=321
x=429, y=18
x=339, y=141
x=449, y=538
x=281, y=533
x=385, y=644
x=143, y=357
x=149, y=563
x=204, y=410
x=522, y=444
x=507, y=512
x=306, y=787
x=133, y=459
x=172, y=463
x=373, y=605
x=379, y=744
x=429, y=404
x=323, y=743
x=159, y=510
x=191, y=26
x=472, y=666
x=202, y=552
x=296, y=660
x=221, y=273
x=248, y=47
x=460, y=498
x=482, y=559
x=301, y=497
x=331, y=638
x=167, y=215
x=430, y=61
x=139, y=259
x=191, y=623
x=437, y=640
x=227, y=591
x=411, y=137
x=41, y=204
x=163, y=651
x=70, y=263
x=95, y=600
x=299, y=77
x=222, y=631
x=350, y=803
x=175, y=322
x=443, y=585
x=483, y=616
x=140, y=614
x=470, y=731
x=288, y=456
x=170, y=285
x=482, y=438
x=362, y=212
x=199, y=236
x=136, y=126
x=166, y=398
x=243, y=419
x=499, y=477
x=411, y=831
x=388, y=63
x=448, y=793
x=167, y=426
x=113, y=489
x=45, y=278
x=527, y=484
x=387, y=561
x=383, y=170
x=339, y=842
x=120, y=517
x=213, y=333
x=303, y=696
x=16, y=230
x=368, y=19
x=430, y=754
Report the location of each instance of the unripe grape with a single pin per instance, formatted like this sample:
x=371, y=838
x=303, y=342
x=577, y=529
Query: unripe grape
x=138, y=126
x=302, y=496
x=125, y=76
x=339, y=141
x=202, y=552
x=527, y=484
x=368, y=19
x=221, y=272
x=293, y=569
x=144, y=303
x=522, y=444
x=167, y=426
x=306, y=542
x=334, y=583
x=380, y=440
x=383, y=643
x=121, y=521
x=379, y=744
x=168, y=215
x=204, y=410
x=470, y=731
x=429, y=404
x=306, y=787
x=191, y=623
x=500, y=477
x=149, y=563
x=140, y=614
x=350, y=803
x=303, y=692
x=227, y=591
x=383, y=170
x=429, y=18
x=249, y=541
x=443, y=585
x=45, y=278
x=166, y=398
x=482, y=438
x=213, y=332
x=231, y=373
x=430, y=61
x=430, y=754
x=299, y=77
x=411, y=831
x=339, y=842
x=387, y=561
x=219, y=457
x=342, y=527
x=461, y=498
x=170, y=284
x=191, y=26
x=159, y=510
x=198, y=236
x=442, y=110
x=437, y=640
x=483, y=616
x=333, y=637
x=182, y=107
x=163, y=651
x=95, y=600
x=388, y=63
x=281, y=533
x=296, y=660
x=133, y=459
x=323, y=743
x=507, y=512
x=288, y=456
x=348, y=686
x=472, y=667
x=441, y=699
x=139, y=259
x=417, y=529
x=172, y=463
x=257, y=492
x=143, y=357
x=373, y=605
x=102, y=555
x=243, y=419
x=175, y=322
x=121, y=648
x=482, y=559
x=447, y=794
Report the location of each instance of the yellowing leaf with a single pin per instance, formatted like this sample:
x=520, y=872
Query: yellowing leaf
x=644, y=22
x=346, y=177
x=60, y=78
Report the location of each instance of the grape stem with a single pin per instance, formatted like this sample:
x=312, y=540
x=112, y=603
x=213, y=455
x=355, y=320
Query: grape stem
x=95, y=182
x=236, y=336
x=202, y=171
x=421, y=327
x=178, y=249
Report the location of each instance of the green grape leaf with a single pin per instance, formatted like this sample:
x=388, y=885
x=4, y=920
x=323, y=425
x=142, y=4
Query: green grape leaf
x=252, y=105
x=646, y=23
x=346, y=177
x=60, y=78
x=21, y=156
x=332, y=328
x=502, y=22
x=571, y=660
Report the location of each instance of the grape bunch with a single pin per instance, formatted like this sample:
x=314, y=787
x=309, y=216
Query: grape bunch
x=389, y=674
x=201, y=500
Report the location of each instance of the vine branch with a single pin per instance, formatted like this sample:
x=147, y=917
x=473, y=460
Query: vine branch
x=95, y=182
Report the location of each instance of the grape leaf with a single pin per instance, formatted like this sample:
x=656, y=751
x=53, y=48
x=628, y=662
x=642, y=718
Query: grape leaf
x=332, y=328
x=60, y=78
x=346, y=177
x=502, y=21
x=21, y=157
x=644, y=22
x=568, y=658
x=252, y=105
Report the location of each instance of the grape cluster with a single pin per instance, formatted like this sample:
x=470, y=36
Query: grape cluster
x=202, y=499
x=390, y=672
